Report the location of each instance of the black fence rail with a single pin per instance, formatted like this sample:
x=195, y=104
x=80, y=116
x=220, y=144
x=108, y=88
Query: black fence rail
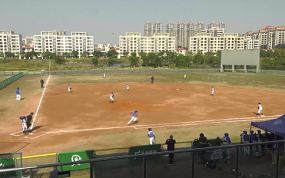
x=189, y=167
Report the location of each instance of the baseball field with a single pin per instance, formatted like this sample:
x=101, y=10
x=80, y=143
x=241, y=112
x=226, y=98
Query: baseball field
x=84, y=119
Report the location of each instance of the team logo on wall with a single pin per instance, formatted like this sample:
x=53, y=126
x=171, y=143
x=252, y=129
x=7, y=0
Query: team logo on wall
x=277, y=122
x=75, y=158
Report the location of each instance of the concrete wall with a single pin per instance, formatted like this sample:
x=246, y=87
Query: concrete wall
x=240, y=57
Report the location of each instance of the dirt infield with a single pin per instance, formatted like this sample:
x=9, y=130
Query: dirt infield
x=65, y=119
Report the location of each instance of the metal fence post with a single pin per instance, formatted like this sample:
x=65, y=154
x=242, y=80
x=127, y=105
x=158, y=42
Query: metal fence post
x=144, y=167
x=237, y=157
x=277, y=160
x=31, y=173
x=193, y=161
x=91, y=170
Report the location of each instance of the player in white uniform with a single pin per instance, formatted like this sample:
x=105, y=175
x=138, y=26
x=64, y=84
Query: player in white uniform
x=184, y=76
x=134, y=117
x=69, y=88
x=213, y=90
x=127, y=87
x=104, y=76
x=112, y=98
x=260, y=111
x=24, y=124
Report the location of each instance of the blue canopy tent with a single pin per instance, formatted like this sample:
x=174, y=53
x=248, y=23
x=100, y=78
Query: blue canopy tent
x=276, y=126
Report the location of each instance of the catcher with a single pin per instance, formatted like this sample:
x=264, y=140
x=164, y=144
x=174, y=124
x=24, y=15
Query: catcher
x=112, y=97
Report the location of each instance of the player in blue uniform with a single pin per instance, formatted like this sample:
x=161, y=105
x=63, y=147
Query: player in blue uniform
x=134, y=117
x=151, y=136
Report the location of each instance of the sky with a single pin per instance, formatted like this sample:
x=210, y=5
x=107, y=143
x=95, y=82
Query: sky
x=106, y=20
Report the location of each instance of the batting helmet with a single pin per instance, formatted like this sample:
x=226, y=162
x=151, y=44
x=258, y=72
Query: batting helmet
x=149, y=129
x=226, y=134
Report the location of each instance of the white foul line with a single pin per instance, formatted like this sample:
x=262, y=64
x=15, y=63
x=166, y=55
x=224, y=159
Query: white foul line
x=40, y=103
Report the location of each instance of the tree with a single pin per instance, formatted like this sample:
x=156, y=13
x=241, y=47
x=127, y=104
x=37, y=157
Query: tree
x=198, y=58
x=85, y=54
x=1, y=55
x=9, y=54
x=111, y=61
x=48, y=55
x=134, y=61
x=95, y=61
x=59, y=60
x=125, y=54
x=97, y=54
x=30, y=55
x=112, y=53
x=74, y=54
x=280, y=46
x=66, y=54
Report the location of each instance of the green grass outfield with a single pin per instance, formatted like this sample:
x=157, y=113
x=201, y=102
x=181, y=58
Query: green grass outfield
x=265, y=81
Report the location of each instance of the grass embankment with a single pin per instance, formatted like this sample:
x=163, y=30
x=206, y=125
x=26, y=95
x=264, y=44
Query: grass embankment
x=39, y=64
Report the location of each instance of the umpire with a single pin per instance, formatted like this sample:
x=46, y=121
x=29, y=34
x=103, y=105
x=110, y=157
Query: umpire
x=42, y=83
x=170, y=147
x=29, y=120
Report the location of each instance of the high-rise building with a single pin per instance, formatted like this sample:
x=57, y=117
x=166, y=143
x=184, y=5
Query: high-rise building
x=134, y=42
x=150, y=29
x=206, y=42
x=183, y=31
x=268, y=37
x=157, y=28
x=10, y=42
x=58, y=42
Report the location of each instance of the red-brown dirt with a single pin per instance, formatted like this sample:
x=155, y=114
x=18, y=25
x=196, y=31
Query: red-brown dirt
x=88, y=107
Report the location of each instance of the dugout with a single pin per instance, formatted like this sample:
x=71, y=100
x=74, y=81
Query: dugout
x=244, y=58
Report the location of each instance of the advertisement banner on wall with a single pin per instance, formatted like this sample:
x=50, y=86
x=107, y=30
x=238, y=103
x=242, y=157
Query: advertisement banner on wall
x=75, y=156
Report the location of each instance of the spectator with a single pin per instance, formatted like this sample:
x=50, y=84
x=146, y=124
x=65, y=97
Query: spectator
x=259, y=137
x=252, y=137
x=245, y=138
x=266, y=139
x=203, y=141
x=227, y=139
x=170, y=147
x=54, y=173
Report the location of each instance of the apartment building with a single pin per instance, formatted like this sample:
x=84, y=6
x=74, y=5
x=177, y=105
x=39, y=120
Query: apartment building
x=58, y=42
x=183, y=31
x=28, y=41
x=150, y=29
x=206, y=42
x=10, y=42
x=268, y=37
x=134, y=42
